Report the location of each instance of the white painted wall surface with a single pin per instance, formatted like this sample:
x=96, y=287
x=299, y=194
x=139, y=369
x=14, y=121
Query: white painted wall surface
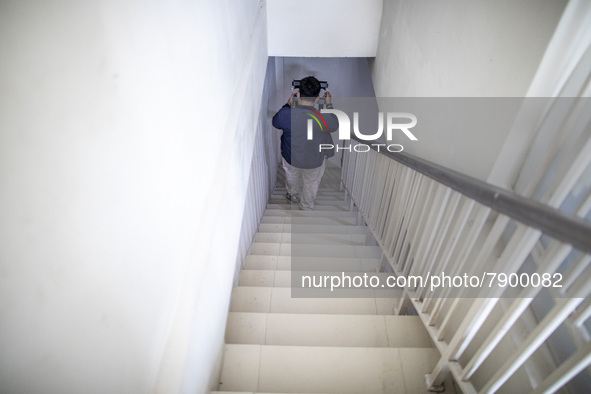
x=123, y=189
x=462, y=48
x=563, y=72
x=327, y=28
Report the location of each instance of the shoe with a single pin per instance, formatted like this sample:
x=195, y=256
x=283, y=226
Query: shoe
x=293, y=199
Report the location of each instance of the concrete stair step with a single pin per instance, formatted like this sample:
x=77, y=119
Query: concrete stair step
x=326, y=330
x=311, y=228
x=251, y=392
x=279, y=300
x=342, y=207
x=281, y=278
x=317, y=203
x=314, y=213
x=265, y=278
x=350, y=264
x=347, y=221
x=309, y=369
x=321, y=189
x=302, y=250
x=326, y=196
x=314, y=238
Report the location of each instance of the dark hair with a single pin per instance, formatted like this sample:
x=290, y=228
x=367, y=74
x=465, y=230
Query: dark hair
x=309, y=87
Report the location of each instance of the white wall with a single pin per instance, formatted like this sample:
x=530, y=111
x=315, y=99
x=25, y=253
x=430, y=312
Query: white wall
x=327, y=28
x=563, y=72
x=263, y=170
x=462, y=48
x=122, y=189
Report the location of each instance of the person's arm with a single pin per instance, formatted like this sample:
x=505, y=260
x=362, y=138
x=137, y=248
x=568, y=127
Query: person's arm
x=280, y=119
x=328, y=100
x=290, y=100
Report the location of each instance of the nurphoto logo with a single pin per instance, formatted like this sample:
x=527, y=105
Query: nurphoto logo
x=395, y=121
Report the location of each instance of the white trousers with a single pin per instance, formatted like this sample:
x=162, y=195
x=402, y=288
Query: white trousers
x=303, y=182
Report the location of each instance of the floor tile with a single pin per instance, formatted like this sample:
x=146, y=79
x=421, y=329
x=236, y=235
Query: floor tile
x=282, y=302
x=282, y=279
x=415, y=364
x=251, y=299
x=268, y=237
x=330, y=370
x=246, y=328
x=407, y=331
x=240, y=369
x=257, y=278
x=326, y=330
x=265, y=248
x=259, y=262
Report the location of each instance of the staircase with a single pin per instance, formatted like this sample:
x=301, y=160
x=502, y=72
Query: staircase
x=279, y=344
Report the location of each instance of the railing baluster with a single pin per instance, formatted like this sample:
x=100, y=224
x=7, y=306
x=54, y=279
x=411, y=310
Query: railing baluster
x=416, y=223
x=432, y=258
x=402, y=188
x=568, y=370
x=554, y=258
x=403, y=233
x=431, y=226
x=563, y=308
x=413, y=181
x=427, y=221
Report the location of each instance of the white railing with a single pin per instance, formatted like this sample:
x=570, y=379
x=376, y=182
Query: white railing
x=431, y=221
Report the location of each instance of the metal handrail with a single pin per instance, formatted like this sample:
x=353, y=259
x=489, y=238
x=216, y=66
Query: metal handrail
x=427, y=230
x=560, y=225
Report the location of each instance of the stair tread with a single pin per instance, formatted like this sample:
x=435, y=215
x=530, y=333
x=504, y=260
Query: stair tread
x=321, y=197
x=279, y=300
x=321, y=192
x=330, y=207
x=311, y=228
x=254, y=392
x=343, y=221
x=317, y=203
x=271, y=368
x=303, y=250
x=314, y=213
x=321, y=189
x=284, y=263
x=314, y=238
x=283, y=278
x=326, y=330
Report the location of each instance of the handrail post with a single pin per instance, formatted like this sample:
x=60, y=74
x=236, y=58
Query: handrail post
x=434, y=380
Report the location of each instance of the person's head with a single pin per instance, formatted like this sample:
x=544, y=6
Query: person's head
x=309, y=88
